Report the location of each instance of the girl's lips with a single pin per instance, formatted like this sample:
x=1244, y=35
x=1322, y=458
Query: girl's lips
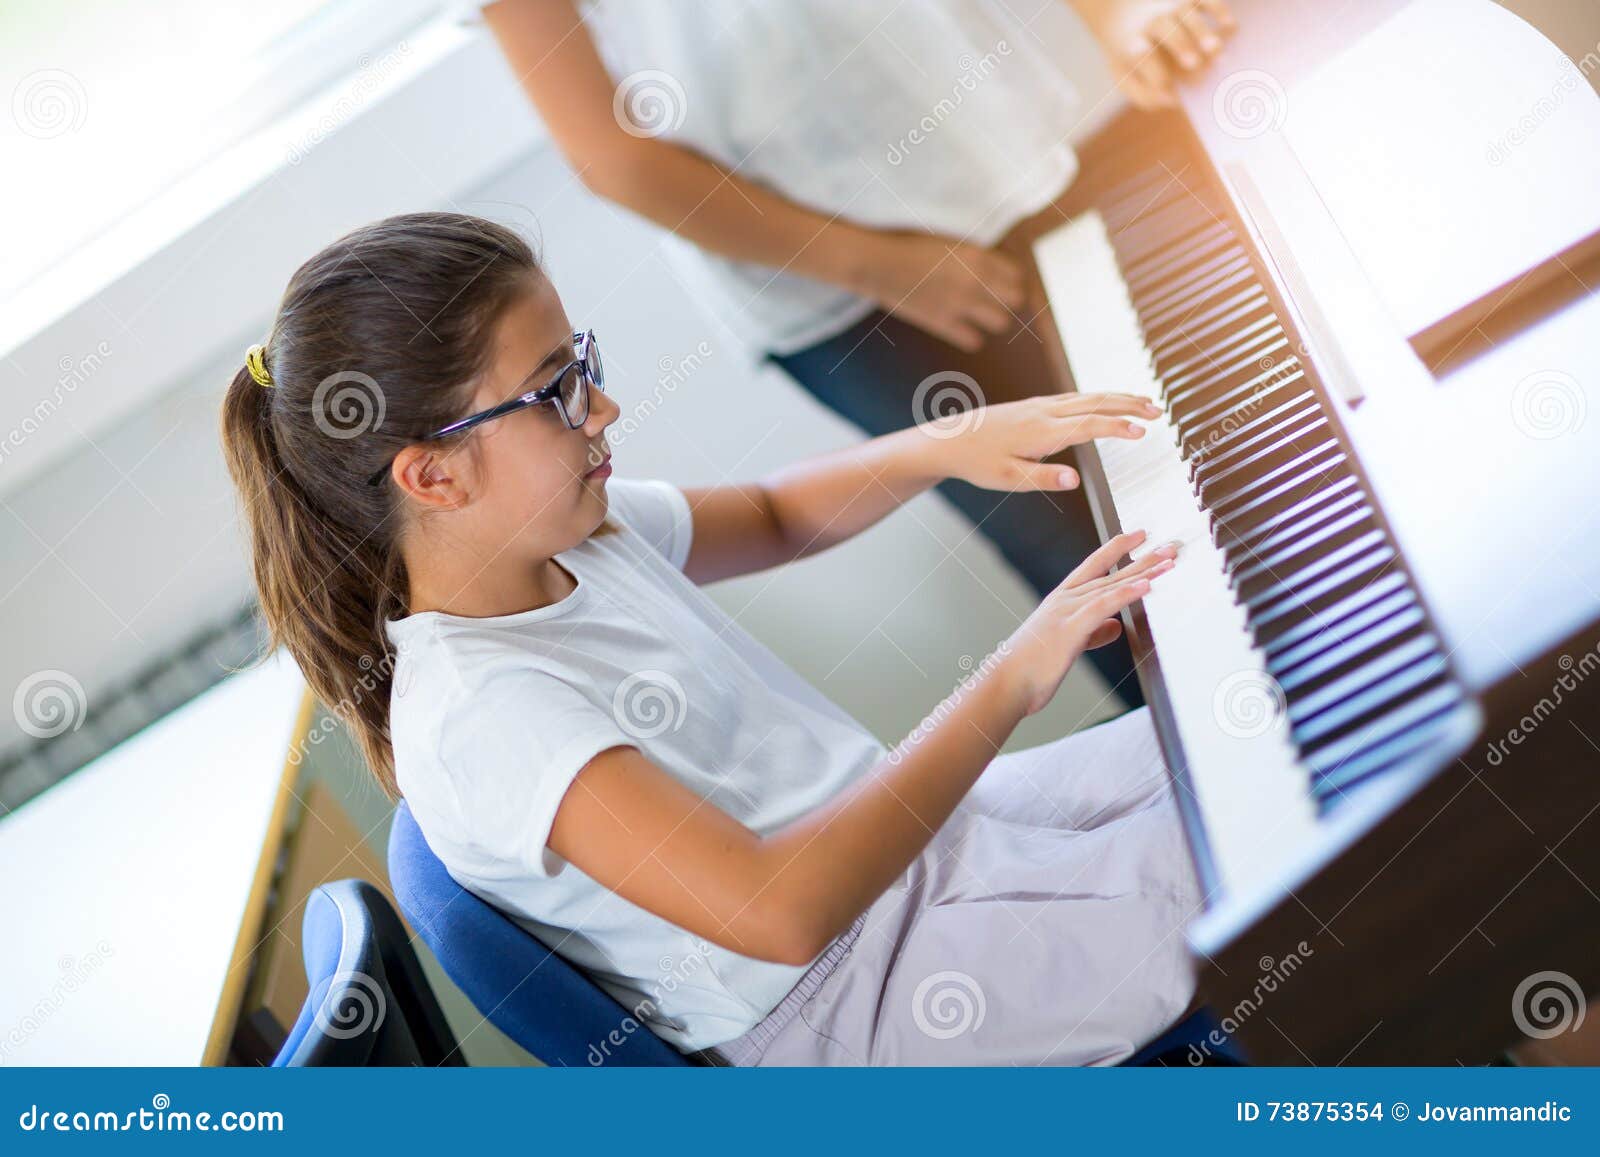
x=601, y=471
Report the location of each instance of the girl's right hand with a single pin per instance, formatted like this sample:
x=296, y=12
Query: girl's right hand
x=1079, y=615
x=955, y=291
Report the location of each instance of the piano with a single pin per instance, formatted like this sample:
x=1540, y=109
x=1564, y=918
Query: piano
x=1375, y=672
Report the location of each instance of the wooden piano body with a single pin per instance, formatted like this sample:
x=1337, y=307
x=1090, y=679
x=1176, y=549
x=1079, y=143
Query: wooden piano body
x=1419, y=924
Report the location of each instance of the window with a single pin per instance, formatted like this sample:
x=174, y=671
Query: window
x=112, y=101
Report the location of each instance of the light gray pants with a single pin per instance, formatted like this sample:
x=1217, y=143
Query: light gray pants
x=1042, y=925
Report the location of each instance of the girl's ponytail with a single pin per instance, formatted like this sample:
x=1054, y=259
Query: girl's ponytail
x=348, y=378
x=325, y=593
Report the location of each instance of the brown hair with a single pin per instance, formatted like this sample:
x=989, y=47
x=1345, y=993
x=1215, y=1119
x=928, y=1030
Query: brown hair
x=375, y=344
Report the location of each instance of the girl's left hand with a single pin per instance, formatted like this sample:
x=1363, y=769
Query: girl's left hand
x=1001, y=447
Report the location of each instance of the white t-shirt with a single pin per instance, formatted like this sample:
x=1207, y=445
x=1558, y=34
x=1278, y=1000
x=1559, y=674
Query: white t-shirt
x=492, y=718
x=944, y=116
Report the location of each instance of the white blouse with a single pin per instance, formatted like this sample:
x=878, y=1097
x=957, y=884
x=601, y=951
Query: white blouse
x=945, y=116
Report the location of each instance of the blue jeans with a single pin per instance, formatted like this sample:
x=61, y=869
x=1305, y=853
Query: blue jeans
x=869, y=374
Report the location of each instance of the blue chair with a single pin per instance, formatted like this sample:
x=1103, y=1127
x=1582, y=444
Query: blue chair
x=369, y=1003
x=528, y=992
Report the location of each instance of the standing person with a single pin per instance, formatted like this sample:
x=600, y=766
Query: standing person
x=843, y=172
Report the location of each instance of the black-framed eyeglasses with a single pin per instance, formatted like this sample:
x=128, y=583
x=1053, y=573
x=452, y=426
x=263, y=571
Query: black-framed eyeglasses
x=568, y=389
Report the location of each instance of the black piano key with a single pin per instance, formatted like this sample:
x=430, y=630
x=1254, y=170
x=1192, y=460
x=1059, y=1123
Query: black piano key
x=1346, y=704
x=1303, y=465
x=1133, y=193
x=1286, y=614
x=1181, y=262
x=1210, y=412
x=1218, y=484
x=1207, y=334
x=1405, y=731
x=1243, y=558
x=1323, y=507
x=1152, y=220
x=1244, y=515
x=1342, y=491
x=1400, y=606
x=1325, y=528
x=1183, y=306
x=1334, y=613
x=1200, y=331
x=1250, y=430
x=1264, y=597
x=1154, y=231
x=1354, y=719
x=1342, y=658
x=1234, y=352
x=1176, y=293
x=1300, y=559
x=1160, y=268
x=1139, y=198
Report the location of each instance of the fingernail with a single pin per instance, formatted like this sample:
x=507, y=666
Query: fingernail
x=1067, y=479
x=1135, y=430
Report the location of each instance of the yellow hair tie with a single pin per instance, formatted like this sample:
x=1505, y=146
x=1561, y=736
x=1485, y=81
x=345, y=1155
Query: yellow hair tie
x=255, y=360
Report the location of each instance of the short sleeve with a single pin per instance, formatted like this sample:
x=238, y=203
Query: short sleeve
x=513, y=749
x=658, y=512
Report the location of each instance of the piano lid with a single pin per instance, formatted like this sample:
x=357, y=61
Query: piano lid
x=1484, y=464
x=1457, y=148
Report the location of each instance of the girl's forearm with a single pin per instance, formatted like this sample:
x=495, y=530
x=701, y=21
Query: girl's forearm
x=824, y=500
x=827, y=868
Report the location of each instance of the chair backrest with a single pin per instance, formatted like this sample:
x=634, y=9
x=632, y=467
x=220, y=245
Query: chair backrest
x=528, y=992
x=369, y=1003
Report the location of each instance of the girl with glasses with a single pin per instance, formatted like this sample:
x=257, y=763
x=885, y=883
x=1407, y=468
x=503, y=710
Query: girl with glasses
x=519, y=645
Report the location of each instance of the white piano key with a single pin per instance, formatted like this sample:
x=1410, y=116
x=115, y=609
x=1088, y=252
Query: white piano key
x=1250, y=790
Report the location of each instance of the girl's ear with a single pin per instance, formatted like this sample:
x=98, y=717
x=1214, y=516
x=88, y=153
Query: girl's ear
x=431, y=476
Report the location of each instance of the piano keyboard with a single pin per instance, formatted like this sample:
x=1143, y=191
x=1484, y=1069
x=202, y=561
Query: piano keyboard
x=1296, y=658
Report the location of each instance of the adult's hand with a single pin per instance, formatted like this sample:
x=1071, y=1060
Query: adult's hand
x=1150, y=42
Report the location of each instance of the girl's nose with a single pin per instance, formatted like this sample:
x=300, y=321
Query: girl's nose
x=603, y=410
